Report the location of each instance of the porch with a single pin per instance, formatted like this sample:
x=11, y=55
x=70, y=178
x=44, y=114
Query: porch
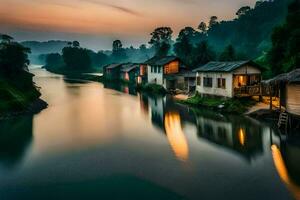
x=247, y=85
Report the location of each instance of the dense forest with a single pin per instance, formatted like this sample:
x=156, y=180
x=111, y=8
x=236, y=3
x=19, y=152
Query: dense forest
x=253, y=34
x=17, y=89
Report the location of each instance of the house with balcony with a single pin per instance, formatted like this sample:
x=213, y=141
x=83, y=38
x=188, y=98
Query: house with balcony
x=229, y=79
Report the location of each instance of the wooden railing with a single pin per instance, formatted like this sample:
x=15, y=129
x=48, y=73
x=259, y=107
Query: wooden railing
x=248, y=91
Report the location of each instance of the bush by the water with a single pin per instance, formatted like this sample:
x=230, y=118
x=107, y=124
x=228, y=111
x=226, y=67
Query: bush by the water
x=235, y=105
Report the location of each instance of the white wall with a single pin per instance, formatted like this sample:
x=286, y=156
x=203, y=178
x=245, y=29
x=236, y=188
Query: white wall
x=247, y=70
x=214, y=90
x=152, y=76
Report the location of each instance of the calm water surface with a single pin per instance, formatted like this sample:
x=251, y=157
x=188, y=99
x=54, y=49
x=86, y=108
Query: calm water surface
x=93, y=142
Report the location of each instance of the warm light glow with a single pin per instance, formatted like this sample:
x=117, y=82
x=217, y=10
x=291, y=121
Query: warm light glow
x=126, y=76
x=242, y=136
x=126, y=90
x=172, y=67
x=283, y=173
x=176, y=136
x=139, y=79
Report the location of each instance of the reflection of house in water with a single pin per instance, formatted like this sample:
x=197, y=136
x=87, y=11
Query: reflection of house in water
x=287, y=162
x=237, y=134
x=127, y=89
x=169, y=117
x=15, y=136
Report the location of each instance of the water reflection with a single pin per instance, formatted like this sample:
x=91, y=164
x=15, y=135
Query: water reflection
x=242, y=136
x=15, y=137
x=176, y=135
x=286, y=160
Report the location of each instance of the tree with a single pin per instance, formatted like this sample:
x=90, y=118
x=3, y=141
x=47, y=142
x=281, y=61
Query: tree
x=161, y=40
x=13, y=57
x=6, y=38
x=242, y=11
x=54, y=60
x=203, y=27
x=284, y=55
x=213, y=21
x=76, y=58
x=228, y=54
x=183, y=46
x=76, y=44
x=118, y=52
x=202, y=54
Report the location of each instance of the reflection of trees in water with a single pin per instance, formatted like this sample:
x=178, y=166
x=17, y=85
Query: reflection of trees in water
x=236, y=133
x=15, y=136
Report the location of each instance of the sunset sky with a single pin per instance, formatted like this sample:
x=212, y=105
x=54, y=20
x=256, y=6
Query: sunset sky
x=95, y=23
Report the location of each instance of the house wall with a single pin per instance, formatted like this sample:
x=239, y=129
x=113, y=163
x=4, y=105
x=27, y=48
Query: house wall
x=214, y=90
x=247, y=69
x=292, y=99
x=155, y=77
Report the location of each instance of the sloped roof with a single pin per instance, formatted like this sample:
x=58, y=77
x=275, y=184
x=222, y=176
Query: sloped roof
x=291, y=77
x=128, y=67
x=223, y=66
x=112, y=66
x=161, y=60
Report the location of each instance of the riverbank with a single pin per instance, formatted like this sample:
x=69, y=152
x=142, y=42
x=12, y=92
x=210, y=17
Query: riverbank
x=18, y=100
x=237, y=106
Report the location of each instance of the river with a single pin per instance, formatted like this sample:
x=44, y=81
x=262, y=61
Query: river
x=93, y=142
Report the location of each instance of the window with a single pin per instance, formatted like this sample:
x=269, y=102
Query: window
x=159, y=69
x=198, y=80
x=151, y=69
x=207, y=82
x=222, y=83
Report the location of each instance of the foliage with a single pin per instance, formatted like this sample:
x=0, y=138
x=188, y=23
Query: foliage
x=76, y=58
x=228, y=54
x=118, y=52
x=153, y=89
x=202, y=54
x=284, y=55
x=13, y=57
x=54, y=60
x=240, y=105
x=161, y=40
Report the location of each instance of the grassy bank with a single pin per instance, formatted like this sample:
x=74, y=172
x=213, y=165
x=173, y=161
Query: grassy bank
x=14, y=99
x=239, y=106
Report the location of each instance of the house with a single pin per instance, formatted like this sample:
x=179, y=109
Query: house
x=112, y=71
x=229, y=79
x=142, y=77
x=129, y=72
x=166, y=72
x=287, y=88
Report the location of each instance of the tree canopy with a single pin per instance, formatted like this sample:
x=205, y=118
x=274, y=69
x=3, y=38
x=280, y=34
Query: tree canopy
x=161, y=40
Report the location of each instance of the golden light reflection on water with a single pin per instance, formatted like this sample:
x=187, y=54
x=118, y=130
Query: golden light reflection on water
x=242, y=136
x=176, y=135
x=283, y=173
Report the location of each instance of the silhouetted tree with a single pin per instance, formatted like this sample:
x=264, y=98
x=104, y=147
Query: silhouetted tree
x=76, y=58
x=54, y=60
x=76, y=44
x=213, y=21
x=202, y=54
x=118, y=52
x=228, y=54
x=202, y=27
x=242, y=11
x=285, y=53
x=161, y=40
x=6, y=38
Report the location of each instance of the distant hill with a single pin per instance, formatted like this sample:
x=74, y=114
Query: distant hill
x=43, y=48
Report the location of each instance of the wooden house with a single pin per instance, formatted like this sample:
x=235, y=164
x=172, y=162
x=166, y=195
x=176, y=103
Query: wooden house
x=229, y=79
x=129, y=72
x=166, y=72
x=287, y=88
x=112, y=71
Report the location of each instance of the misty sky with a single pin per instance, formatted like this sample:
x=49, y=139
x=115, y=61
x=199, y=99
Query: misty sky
x=96, y=23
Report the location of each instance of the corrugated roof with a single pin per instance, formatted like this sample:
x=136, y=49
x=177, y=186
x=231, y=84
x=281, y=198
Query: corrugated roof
x=128, y=67
x=161, y=61
x=291, y=77
x=111, y=66
x=222, y=66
